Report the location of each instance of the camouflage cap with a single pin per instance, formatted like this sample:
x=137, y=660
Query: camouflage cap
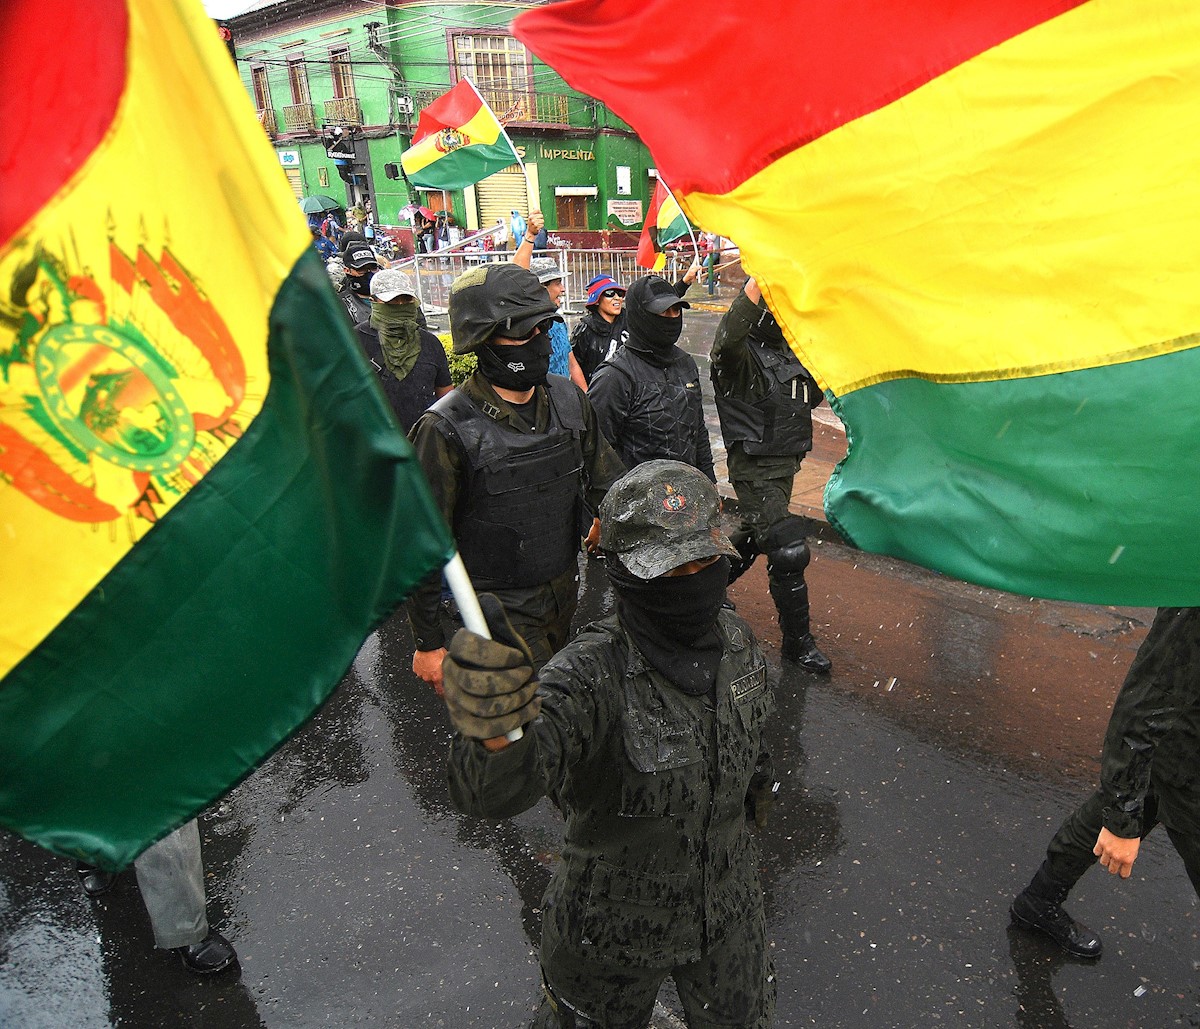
x=496, y=298
x=546, y=269
x=661, y=515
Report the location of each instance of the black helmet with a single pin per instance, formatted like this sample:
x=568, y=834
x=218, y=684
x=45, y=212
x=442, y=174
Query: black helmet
x=493, y=299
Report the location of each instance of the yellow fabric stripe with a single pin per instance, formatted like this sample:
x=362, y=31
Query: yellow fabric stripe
x=186, y=177
x=481, y=129
x=1033, y=210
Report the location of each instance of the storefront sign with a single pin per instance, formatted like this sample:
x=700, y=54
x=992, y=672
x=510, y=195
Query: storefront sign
x=627, y=212
x=289, y=158
x=553, y=154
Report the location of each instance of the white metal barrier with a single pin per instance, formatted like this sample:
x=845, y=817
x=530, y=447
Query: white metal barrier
x=436, y=271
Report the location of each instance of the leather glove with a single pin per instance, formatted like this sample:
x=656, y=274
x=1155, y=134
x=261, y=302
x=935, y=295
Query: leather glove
x=490, y=685
x=760, y=797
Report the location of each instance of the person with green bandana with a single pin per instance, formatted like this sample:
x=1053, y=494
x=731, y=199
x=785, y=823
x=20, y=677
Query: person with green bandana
x=408, y=358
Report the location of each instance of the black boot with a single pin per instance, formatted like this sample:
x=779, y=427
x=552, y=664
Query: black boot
x=803, y=651
x=212, y=954
x=1038, y=908
x=95, y=881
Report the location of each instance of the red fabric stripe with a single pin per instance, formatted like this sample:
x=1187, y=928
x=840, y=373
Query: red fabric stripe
x=61, y=79
x=648, y=247
x=451, y=110
x=719, y=90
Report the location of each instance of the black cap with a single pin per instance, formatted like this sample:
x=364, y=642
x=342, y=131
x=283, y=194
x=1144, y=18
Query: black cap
x=653, y=293
x=496, y=299
x=359, y=256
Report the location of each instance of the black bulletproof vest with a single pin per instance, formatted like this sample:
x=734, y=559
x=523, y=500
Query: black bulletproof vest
x=518, y=516
x=781, y=422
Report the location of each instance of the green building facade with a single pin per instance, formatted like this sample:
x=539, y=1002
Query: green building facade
x=338, y=86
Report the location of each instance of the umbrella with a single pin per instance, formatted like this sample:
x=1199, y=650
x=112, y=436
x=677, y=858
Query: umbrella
x=319, y=202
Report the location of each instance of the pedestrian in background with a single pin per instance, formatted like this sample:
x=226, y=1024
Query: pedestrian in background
x=1149, y=774
x=765, y=398
x=409, y=359
x=512, y=458
x=599, y=333
x=361, y=264
x=646, y=731
x=562, y=358
x=170, y=876
x=647, y=395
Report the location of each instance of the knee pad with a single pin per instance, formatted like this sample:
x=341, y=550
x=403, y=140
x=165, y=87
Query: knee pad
x=784, y=532
x=789, y=559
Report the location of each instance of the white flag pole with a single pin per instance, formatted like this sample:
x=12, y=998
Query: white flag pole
x=472, y=614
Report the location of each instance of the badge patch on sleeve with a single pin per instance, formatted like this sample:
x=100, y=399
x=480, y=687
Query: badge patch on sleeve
x=750, y=685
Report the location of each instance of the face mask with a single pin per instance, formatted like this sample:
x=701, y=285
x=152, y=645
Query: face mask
x=653, y=333
x=519, y=367
x=360, y=285
x=673, y=621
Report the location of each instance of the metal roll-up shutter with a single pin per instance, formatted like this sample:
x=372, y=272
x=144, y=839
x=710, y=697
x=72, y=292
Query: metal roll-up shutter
x=499, y=195
x=293, y=177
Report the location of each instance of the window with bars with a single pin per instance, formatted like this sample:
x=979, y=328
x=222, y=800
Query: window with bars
x=342, y=73
x=262, y=89
x=298, y=80
x=499, y=67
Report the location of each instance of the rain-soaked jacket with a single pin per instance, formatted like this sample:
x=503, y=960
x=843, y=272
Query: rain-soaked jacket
x=649, y=412
x=657, y=860
x=1153, y=735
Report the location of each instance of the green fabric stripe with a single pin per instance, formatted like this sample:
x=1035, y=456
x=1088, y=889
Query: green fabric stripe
x=465, y=166
x=1080, y=485
x=233, y=619
x=674, y=230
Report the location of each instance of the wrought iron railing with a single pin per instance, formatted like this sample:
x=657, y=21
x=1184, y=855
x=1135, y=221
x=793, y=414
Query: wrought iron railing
x=514, y=105
x=299, y=118
x=266, y=118
x=344, y=110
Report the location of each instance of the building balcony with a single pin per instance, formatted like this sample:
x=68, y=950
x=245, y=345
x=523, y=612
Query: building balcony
x=522, y=106
x=299, y=118
x=266, y=118
x=344, y=110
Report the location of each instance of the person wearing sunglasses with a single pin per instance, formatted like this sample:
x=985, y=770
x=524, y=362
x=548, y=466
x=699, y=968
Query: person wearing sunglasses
x=647, y=395
x=599, y=333
x=515, y=460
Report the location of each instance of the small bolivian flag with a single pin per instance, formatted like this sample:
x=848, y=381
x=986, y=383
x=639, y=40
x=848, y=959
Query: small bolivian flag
x=458, y=142
x=204, y=503
x=979, y=225
x=664, y=224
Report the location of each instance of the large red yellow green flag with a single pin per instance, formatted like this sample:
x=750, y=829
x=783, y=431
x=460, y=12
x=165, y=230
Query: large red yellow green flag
x=201, y=491
x=980, y=227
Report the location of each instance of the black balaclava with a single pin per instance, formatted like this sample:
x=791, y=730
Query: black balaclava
x=653, y=336
x=360, y=285
x=518, y=367
x=673, y=621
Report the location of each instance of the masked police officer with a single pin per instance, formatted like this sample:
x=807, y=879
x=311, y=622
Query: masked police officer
x=516, y=462
x=646, y=731
x=765, y=398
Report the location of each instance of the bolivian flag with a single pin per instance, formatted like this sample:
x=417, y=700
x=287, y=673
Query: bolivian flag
x=201, y=491
x=664, y=224
x=458, y=142
x=979, y=224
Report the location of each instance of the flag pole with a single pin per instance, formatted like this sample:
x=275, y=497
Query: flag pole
x=691, y=234
x=472, y=614
x=508, y=140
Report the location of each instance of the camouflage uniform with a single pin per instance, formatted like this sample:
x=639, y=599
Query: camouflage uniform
x=1150, y=767
x=659, y=873
x=541, y=613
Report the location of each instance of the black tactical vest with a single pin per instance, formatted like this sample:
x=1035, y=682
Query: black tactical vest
x=518, y=517
x=781, y=422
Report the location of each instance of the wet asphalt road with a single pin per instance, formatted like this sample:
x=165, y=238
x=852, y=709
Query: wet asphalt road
x=921, y=783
